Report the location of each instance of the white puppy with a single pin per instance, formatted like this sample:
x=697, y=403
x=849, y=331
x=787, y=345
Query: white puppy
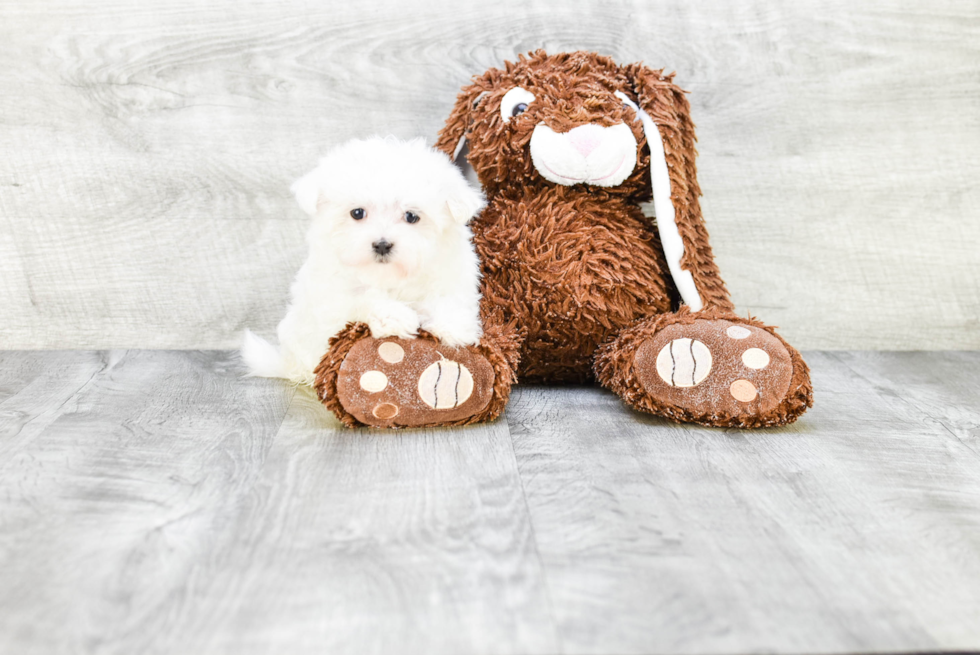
x=388, y=246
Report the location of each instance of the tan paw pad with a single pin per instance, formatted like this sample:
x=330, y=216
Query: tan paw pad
x=391, y=352
x=755, y=358
x=445, y=385
x=385, y=411
x=374, y=381
x=743, y=391
x=738, y=332
x=684, y=363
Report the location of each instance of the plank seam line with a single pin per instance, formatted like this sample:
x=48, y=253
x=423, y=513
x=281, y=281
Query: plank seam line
x=282, y=419
x=909, y=403
x=71, y=396
x=534, y=537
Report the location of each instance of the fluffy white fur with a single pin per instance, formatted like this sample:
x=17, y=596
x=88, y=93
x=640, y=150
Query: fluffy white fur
x=429, y=279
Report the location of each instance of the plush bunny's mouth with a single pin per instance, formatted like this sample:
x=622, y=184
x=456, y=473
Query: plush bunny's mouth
x=590, y=154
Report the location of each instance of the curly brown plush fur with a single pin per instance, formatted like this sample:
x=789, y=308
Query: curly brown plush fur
x=577, y=263
x=578, y=266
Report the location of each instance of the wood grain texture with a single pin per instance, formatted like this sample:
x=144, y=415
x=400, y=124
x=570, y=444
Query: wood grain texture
x=121, y=473
x=148, y=151
x=943, y=387
x=357, y=541
x=857, y=529
x=157, y=502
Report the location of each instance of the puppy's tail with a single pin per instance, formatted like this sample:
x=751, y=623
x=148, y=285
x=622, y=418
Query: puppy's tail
x=262, y=358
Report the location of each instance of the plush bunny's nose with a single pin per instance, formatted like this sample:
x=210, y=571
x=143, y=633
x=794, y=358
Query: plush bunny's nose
x=586, y=138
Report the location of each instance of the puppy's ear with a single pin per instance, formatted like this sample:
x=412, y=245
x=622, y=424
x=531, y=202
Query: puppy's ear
x=463, y=200
x=308, y=192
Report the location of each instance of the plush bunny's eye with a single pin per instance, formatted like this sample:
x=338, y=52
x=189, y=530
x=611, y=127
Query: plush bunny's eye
x=515, y=102
x=629, y=104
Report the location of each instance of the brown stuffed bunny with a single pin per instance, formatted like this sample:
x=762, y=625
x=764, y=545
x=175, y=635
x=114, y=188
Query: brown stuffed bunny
x=578, y=284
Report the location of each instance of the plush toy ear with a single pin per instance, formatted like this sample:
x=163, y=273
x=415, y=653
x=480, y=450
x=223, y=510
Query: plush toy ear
x=307, y=192
x=666, y=117
x=452, y=136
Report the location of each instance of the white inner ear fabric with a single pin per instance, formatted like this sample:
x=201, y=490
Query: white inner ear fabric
x=670, y=238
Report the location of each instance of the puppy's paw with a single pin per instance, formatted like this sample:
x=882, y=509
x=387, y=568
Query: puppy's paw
x=455, y=333
x=393, y=320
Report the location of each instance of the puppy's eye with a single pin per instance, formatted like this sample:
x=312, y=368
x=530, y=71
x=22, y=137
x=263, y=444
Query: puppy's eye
x=357, y=214
x=411, y=217
x=515, y=102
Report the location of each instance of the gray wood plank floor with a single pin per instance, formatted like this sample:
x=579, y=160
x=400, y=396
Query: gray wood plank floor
x=158, y=502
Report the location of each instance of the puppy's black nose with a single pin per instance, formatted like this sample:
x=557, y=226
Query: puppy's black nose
x=382, y=247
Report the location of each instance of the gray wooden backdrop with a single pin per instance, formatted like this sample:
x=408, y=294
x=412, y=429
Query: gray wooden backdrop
x=146, y=151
